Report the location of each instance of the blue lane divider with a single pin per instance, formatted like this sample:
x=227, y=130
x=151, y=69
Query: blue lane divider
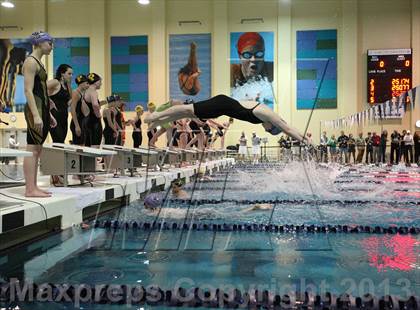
x=163, y=225
x=358, y=181
x=244, y=188
x=218, y=181
x=154, y=295
x=218, y=188
x=292, y=201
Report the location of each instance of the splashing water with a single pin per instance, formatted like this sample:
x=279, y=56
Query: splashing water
x=290, y=181
x=310, y=180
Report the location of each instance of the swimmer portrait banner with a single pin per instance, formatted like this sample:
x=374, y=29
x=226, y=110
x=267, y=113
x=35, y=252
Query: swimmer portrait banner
x=190, y=66
x=251, y=66
x=74, y=52
x=130, y=70
x=12, y=55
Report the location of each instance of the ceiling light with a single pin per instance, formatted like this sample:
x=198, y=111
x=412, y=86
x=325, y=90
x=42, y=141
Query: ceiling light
x=7, y=4
x=143, y=2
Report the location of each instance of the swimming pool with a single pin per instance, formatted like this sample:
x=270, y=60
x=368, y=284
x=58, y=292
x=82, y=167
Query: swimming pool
x=282, y=261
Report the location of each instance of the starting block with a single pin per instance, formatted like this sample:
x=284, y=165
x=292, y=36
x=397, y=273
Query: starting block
x=66, y=159
x=151, y=157
x=123, y=160
x=172, y=157
x=189, y=156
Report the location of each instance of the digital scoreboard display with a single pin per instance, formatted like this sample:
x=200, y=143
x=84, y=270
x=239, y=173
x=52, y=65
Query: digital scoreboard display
x=389, y=74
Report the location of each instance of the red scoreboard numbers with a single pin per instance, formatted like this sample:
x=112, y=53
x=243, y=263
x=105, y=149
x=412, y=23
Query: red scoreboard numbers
x=389, y=74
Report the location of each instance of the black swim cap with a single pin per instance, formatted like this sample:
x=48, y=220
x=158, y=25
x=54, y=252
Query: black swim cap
x=81, y=78
x=93, y=78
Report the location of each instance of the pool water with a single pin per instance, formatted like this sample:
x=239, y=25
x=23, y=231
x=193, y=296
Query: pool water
x=335, y=213
x=379, y=264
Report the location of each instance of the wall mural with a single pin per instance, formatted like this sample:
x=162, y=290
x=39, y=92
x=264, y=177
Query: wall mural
x=190, y=66
x=129, y=70
x=316, y=51
x=252, y=66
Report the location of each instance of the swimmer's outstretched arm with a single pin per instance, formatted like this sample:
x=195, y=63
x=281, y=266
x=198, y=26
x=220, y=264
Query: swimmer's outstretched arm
x=267, y=115
x=259, y=207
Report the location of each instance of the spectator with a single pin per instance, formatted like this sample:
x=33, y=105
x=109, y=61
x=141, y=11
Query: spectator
x=351, y=148
x=342, y=144
x=242, y=146
x=402, y=148
x=382, y=146
x=408, y=148
x=395, y=148
x=286, y=145
x=323, y=147
x=369, y=148
x=360, y=143
x=376, y=142
x=332, y=143
x=256, y=148
x=416, y=139
x=311, y=151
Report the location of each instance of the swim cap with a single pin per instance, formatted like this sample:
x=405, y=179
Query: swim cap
x=40, y=36
x=178, y=183
x=139, y=109
x=274, y=130
x=81, y=78
x=151, y=105
x=93, y=78
x=153, y=201
x=249, y=39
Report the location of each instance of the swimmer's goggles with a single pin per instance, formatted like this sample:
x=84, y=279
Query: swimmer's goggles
x=248, y=55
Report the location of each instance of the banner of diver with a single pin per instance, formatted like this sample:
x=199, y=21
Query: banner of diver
x=248, y=111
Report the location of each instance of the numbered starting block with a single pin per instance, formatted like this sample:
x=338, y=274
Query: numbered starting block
x=221, y=154
x=211, y=154
x=123, y=160
x=189, y=156
x=65, y=159
x=152, y=158
x=172, y=157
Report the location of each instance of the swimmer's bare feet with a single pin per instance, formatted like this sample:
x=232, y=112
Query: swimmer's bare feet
x=44, y=191
x=56, y=180
x=89, y=178
x=37, y=193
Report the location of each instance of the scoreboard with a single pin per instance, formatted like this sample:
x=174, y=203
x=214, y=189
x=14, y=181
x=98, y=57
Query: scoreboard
x=389, y=74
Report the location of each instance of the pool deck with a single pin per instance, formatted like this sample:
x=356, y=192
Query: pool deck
x=69, y=203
